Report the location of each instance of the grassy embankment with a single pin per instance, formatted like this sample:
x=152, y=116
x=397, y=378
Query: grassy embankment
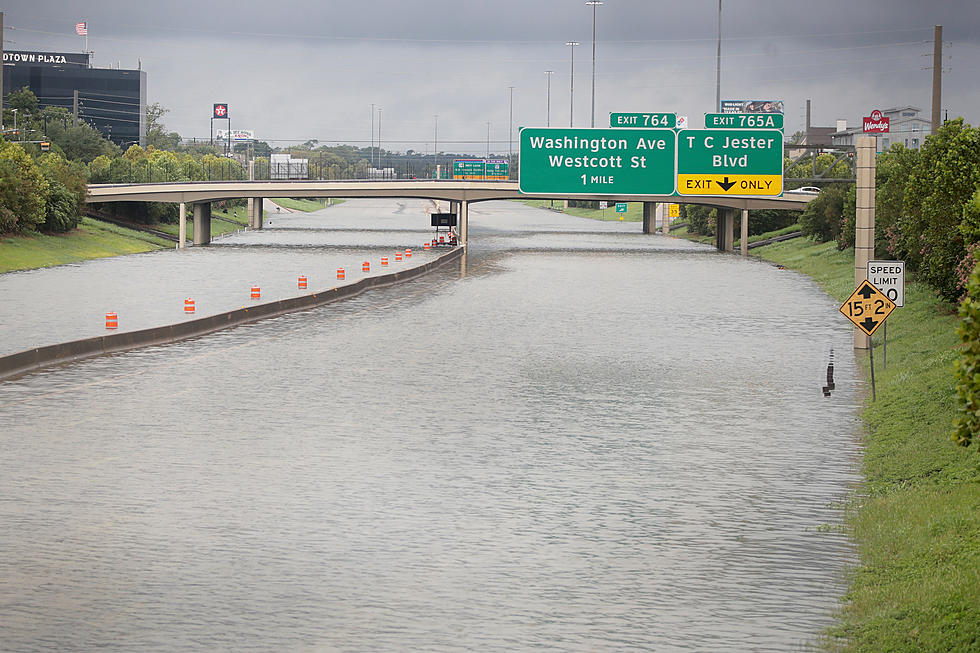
x=683, y=233
x=916, y=517
x=304, y=204
x=92, y=239
x=95, y=239
x=634, y=210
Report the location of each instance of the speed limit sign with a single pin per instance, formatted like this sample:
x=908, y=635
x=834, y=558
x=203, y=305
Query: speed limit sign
x=889, y=278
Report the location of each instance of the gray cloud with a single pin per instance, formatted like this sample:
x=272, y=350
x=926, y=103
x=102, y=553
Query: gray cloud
x=297, y=70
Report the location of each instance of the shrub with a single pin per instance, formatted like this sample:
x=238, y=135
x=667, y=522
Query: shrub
x=700, y=219
x=61, y=209
x=822, y=218
x=966, y=427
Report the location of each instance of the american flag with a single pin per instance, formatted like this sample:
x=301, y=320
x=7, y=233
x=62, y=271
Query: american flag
x=81, y=29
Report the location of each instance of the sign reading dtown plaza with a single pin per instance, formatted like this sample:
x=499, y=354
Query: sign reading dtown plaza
x=718, y=160
x=45, y=58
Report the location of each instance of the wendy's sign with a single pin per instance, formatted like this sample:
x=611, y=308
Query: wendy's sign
x=875, y=123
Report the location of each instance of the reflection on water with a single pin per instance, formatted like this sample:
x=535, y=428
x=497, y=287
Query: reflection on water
x=617, y=444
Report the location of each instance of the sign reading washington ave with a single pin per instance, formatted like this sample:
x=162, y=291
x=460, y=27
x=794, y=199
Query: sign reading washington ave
x=597, y=161
x=637, y=161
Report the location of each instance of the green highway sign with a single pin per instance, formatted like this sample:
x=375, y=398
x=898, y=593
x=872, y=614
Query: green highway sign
x=730, y=162
x=620, y=207
x=743, y=121
x=597, y=161
x=659, y=120
x=497, y=169
x=469, y=168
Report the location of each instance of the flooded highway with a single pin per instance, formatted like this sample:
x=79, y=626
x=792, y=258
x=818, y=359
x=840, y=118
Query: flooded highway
x=581, y=438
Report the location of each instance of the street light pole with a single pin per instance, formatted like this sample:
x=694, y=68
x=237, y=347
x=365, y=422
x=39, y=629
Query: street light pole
x=435, y=146
x=594, y=3
x=379, y=142
x=571, y=85
x=488, y=139
x=549, y=73
x=510, y=127
x=372, y=134
x=718, y=66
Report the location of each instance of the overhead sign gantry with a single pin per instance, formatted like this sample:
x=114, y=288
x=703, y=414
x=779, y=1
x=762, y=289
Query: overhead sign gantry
x=735, y=154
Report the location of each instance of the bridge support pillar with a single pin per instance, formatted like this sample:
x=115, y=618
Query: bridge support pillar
x=463, y=218
x=255, y=212
x=724, y=240
x=182, y=229
x=649, y=217
x=745, y=232
x=202, y=223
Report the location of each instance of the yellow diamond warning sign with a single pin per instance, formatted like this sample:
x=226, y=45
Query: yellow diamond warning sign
x=731, y=184
x=867, y=307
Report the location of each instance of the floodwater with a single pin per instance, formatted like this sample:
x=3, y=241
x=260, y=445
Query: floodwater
x=582, y=438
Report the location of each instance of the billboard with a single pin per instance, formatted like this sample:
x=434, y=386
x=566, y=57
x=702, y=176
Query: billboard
x=237, y=135
x=876, y=123
x=752, y=106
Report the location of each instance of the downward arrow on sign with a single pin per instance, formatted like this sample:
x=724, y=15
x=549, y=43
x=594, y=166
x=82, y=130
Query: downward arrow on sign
x=725, y=185
x=868, y=324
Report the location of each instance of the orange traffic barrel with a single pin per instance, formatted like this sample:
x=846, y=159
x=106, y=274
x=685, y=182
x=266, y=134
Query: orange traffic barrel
x=188, y=305
x=398, y=256
x=301, y=283
x=384, y=260
x=111, y=320
x=442, y=240
x=340, y=274
x=365, y=266
x=425, y=246
x=256, y=292
x=408, y=253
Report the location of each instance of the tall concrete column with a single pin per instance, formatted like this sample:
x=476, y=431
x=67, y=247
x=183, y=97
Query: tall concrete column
x=463, y=218
x=726, y=230
x=649, y=217
x=666, y=224
x=202, y=223
x=255, y=212
x=182, y=226
x=864, y=228
x=745, y=232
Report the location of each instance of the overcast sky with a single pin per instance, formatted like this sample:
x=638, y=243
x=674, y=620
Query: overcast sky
x=302, y=69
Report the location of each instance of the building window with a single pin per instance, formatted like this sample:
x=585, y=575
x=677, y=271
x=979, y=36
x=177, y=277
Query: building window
x=886, y=143
x=915, y=143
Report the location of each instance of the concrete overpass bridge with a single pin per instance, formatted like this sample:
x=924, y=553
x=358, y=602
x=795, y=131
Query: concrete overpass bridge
x=460, y=193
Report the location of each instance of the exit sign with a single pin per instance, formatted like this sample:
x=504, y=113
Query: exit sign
x=662, y=120
x=730, y=162
x=597, y=161
x=743, y=120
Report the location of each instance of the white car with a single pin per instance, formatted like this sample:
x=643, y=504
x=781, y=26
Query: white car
x=809, y=190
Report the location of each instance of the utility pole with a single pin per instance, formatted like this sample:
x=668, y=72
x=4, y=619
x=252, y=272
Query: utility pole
x=372, y=134
x=1, y=68
x=937, y=78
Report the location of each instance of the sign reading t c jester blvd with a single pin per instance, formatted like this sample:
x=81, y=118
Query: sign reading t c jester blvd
x=597, y=161
x=730, y=162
